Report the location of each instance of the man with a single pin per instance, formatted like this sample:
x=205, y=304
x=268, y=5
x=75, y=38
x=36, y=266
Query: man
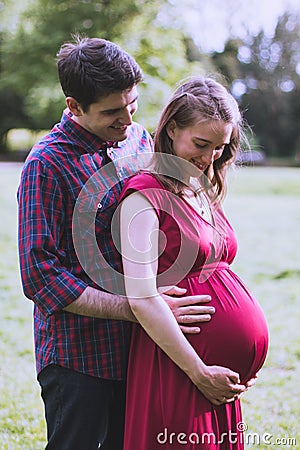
x=81, y=324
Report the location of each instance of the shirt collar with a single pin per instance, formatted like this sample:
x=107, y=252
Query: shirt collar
x=87, y=141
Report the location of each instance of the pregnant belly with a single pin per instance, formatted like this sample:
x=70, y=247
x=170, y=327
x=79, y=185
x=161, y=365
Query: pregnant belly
x=237, y=335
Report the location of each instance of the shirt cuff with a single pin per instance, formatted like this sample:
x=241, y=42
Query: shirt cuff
x=59, y=293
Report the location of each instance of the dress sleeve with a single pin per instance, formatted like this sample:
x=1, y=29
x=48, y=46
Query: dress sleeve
x=147, y=185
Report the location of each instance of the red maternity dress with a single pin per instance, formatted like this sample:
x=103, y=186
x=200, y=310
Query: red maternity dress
x=164, y=409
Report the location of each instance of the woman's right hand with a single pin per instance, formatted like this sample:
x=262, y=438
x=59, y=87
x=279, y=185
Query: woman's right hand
x=219, y=384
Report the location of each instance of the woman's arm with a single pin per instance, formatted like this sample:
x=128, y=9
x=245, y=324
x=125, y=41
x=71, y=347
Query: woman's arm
x=139, y=230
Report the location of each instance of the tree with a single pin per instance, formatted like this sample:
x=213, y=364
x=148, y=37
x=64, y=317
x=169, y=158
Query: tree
x=265, y=77
x=160, y=51
x=28, y=69
x=12, y=105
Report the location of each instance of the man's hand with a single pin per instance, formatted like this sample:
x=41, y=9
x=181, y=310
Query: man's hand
x=187, y=310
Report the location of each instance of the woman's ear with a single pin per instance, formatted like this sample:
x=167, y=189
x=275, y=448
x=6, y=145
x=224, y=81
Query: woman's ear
x=74, y=106
x=170, y=128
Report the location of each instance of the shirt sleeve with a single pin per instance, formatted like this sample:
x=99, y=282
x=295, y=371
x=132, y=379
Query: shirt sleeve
x=41, y=225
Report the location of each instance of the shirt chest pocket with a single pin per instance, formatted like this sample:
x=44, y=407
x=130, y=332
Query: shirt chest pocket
x=94, y=213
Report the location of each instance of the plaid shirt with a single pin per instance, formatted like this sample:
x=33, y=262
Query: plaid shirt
x=67, y=196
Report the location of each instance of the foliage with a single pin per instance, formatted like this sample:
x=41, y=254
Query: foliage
x=263, y=70
x=160, y=52
x=12, y=107
x=265, y=73
x=44, y=27
x=273, y=70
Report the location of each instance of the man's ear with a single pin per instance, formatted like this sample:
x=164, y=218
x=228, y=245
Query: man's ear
x=170, y=128
x=74, y=106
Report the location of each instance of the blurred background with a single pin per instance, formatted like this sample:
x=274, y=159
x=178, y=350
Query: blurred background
x=254, y=45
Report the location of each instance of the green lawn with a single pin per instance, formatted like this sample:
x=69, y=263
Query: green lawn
x=264, y=207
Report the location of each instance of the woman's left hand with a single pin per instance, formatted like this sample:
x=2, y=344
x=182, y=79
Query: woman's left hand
x=248, y=385
x=252, y=382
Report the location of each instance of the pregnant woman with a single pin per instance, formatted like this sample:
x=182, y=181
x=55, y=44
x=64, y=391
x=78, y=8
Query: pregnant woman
x=184, y=391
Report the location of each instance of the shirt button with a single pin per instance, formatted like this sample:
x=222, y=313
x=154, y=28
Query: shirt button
x=99, y=206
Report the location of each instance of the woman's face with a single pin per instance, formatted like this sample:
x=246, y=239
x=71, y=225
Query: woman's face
x=200, y=144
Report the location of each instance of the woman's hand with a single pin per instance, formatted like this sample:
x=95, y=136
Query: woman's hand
x=252, y=381
x=219, y=384
x=249, y=384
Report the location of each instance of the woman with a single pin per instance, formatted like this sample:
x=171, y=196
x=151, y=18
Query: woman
x=183, y=392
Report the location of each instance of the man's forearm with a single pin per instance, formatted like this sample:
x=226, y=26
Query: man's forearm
x=95, y=303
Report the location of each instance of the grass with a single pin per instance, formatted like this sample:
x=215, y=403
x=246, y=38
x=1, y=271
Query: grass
x=21, y=413
x=263, y=205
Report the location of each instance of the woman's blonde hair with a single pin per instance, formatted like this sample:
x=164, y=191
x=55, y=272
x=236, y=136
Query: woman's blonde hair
x=196, y=100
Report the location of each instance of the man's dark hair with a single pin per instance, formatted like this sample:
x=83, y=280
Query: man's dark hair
x=91, y=68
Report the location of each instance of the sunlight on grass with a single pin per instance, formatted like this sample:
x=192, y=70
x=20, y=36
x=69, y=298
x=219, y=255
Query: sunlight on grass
x=263, y=205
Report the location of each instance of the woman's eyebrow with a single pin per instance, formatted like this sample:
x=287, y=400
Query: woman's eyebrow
x=209, y=142
x=204, y=140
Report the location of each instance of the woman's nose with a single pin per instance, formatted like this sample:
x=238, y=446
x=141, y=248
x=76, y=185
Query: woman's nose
x=209, y=157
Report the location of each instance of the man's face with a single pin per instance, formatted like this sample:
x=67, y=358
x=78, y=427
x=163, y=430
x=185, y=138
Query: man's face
x=110, y=117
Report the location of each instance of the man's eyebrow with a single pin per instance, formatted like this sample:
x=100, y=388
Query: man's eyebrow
x=118, y=109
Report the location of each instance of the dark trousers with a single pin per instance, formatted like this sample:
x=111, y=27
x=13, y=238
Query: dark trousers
x=82, y=412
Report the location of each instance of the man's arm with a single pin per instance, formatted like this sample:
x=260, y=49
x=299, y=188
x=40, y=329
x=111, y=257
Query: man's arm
x=95, y=303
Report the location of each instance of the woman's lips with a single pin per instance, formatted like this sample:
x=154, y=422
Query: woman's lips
x=199, y=166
